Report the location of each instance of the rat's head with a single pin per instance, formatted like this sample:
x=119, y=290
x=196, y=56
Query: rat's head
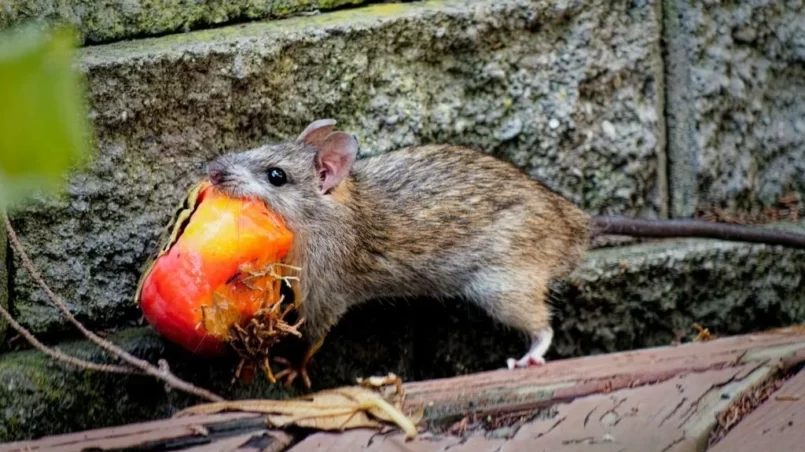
x=294, y=178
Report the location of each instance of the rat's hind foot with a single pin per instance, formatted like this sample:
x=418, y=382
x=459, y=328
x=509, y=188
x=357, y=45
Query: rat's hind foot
x=525, y=361
x=540, y=343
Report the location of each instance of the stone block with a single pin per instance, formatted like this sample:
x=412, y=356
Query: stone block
x=100, y=21
x=569, y=91
x=736, y=103
x=645, y=295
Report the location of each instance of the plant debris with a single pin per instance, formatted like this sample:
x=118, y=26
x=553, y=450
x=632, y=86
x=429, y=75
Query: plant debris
x=252, y=338
x=379, y=383
x=335, y=409
x=748, y=401
x=703, y=335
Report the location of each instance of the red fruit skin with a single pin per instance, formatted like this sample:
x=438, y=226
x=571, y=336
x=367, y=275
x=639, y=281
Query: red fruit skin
x=222, y=236
x=169, y=301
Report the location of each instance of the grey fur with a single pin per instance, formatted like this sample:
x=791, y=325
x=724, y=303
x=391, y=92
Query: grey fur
x=438, y=221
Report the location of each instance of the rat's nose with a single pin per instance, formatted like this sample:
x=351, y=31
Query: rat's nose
x=215, y=172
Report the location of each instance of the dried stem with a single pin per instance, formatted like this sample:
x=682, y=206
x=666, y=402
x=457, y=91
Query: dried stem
x=61, y=356
x=113, y=350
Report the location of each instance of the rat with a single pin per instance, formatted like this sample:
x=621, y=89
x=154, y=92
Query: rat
x=440, y=221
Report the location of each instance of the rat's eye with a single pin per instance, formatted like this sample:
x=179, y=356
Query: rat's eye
x=277, y=176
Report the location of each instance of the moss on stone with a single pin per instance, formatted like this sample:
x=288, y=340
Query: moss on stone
x=108, y=20
x=40, y=397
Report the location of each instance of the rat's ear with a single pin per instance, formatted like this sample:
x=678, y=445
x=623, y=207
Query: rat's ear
x=317, y=132
x=334, y=160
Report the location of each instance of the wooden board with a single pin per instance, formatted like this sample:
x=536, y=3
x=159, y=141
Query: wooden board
x=670, y=416
x=181, y=433
x=776, y=425
x=665, y=397
x=565, y=380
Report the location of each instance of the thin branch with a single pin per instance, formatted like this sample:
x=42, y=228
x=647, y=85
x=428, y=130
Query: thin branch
x=162, y=374
x=58, y=355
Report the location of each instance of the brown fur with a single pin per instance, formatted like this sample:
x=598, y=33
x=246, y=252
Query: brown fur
x=438, y=221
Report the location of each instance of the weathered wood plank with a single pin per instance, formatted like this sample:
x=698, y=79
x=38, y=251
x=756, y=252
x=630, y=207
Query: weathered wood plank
x=675, y=415
x=776, y=425
x=664, y=399
x=527, y=389
x=680, y=388
x=259, y=441
x=181, y=432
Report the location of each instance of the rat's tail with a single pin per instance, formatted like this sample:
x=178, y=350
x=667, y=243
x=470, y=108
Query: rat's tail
x=636, y=227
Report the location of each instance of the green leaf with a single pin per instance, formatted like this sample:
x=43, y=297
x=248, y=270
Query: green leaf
x=44, y=129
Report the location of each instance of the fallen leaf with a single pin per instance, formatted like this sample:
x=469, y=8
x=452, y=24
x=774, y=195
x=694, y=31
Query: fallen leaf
x=335, y=409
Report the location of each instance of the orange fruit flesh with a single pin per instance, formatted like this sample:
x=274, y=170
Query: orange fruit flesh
x=203, y=285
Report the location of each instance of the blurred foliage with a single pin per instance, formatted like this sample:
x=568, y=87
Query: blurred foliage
x=44, y=128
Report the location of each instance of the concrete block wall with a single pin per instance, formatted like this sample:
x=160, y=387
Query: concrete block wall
x=638, y=107
x=103, y=21
x=735, y=102
x=571, y=93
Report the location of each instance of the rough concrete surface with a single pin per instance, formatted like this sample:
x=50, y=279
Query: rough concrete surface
x=627, y=298
x=647, y=294
x=100, y=21
x=566, y=90
x=736, y=102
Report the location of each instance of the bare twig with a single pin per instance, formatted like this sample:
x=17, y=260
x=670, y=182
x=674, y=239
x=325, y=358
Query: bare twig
x=113, y=350
x=61, y=356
